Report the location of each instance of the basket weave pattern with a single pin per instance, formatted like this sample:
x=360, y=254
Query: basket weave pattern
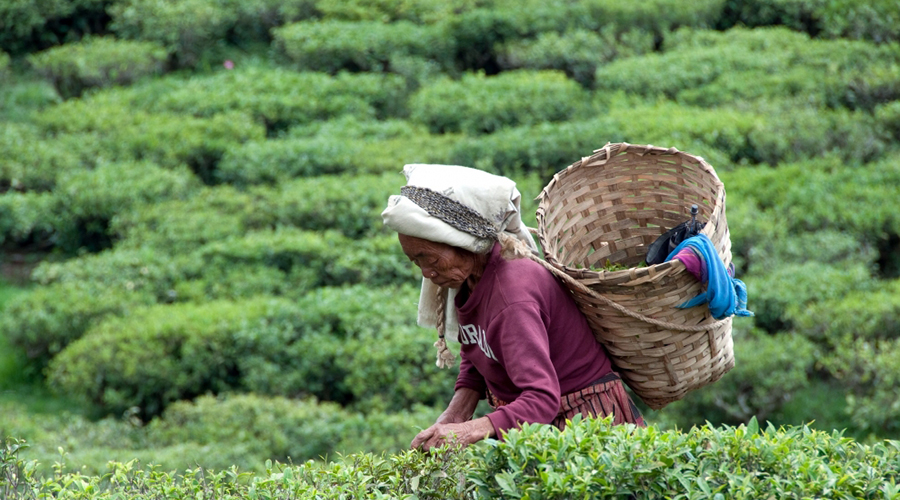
x=608, y=208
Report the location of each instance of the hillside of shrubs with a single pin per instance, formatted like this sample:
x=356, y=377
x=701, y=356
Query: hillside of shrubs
x=195, y=274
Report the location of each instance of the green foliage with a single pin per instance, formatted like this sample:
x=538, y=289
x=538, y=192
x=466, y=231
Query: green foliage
x=280, y=98
x=711, y=68
x=341, y=146
x=161, y=354
x=98, y=62
x=27, y=220
x=87, y=200
x=578, y=53
x=4, y=65
x=282, y=429
x=826, y=194
x=536, y=461
x=478, y=104
x=417, y=11
x=875, y=20
x=888, y=116
x=742, y=462
x=331, y=46
x=351, y=204
x=256, y=18
x=168, y=139
x=719, y=136
x=22, y=22
x=781, y=295
x=799, y=15
x=320, y=346
x=185, y=28
x=178, y=227
x=272, y=428
x=770, y=370
x=866, y=315
x=42, y=323
x=33, y=163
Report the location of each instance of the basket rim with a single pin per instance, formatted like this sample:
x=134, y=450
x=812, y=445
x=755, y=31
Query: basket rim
x=604, y=154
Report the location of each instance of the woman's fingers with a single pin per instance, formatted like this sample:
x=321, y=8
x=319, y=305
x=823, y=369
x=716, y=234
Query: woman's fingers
x=422, y=438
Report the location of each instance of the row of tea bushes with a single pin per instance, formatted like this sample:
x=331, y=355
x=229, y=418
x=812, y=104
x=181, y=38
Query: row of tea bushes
x=321, y=345
x=708, y=68
x=78, y=293
x=218, y=432
x=535, y=462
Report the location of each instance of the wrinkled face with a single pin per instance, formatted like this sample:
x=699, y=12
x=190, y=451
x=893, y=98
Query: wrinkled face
x=444, y=265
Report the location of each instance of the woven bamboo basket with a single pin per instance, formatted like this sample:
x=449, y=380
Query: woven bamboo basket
x=608, y=208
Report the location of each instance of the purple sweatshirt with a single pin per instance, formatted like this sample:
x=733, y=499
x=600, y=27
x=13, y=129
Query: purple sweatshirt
x=524, y=338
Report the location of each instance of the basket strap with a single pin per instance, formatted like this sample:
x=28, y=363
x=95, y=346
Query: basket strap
x=513, y=248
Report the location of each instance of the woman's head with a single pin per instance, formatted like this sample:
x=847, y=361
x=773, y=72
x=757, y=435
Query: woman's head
x=446, y=266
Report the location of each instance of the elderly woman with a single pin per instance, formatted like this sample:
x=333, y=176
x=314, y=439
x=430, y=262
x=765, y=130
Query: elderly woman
x=525, y=346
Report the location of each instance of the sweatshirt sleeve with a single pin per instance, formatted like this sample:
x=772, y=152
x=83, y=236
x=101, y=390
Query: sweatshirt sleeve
x=524, y=351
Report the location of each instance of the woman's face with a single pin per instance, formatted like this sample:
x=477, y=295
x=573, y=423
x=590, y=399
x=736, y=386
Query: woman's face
x=444, y=265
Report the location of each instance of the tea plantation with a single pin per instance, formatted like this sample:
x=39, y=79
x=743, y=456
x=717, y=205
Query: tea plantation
x=198, y=298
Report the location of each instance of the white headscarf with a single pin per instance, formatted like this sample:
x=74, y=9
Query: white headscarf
x=433, y=206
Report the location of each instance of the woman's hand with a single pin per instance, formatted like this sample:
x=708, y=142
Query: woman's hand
x=464, y=433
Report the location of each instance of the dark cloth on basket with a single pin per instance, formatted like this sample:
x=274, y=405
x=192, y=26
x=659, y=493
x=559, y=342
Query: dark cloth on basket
x=602, y=398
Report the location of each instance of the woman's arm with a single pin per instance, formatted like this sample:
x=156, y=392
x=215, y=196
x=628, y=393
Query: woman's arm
x=461, y=407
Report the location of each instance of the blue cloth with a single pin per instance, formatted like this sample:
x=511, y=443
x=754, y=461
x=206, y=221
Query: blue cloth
x=725, y=295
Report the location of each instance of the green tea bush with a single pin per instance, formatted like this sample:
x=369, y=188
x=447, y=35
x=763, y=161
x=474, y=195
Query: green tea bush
x=790, y=135
x=351, y=204
x=168, y=139
x=769, y=371
x=277, y=428
x=304, y=257
x=331, y=354
x=888, y=117
x=578, y=53
x=417, y=11
x=27, y=220
x=740, y=462
x=709, y=68
x=319, y=345
x=32, y=162
x=162, y=354
x=536, y=461
x=271, y=428
x=868, y=369
x=875, y=20
x=479, y=104
x=476, y=34
x=799, y=15
x=88, y=199
x=332, y=46
x=868, y=315
x=136, y=270
x=4, y=65
x=827, y=194
x=186, y=28
x=178, y=227
x=43, y=322
x=98, y=62
x=21, y=21
x=342, y=146
x=281, y=98
x=781, y=295
x=720, y=136
x=256, y=18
